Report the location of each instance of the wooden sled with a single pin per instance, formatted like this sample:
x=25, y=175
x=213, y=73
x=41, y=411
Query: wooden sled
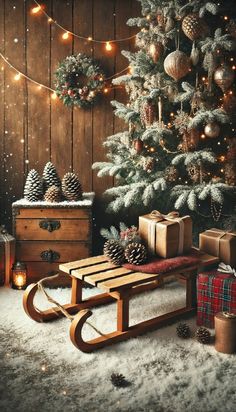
x=118, y=284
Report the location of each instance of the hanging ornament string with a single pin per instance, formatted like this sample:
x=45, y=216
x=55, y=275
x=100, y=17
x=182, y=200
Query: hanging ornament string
x=40, y=85
x=67, y=32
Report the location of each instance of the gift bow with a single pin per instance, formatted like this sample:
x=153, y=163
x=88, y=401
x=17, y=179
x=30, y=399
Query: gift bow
x=155, y=214
x=226, y=269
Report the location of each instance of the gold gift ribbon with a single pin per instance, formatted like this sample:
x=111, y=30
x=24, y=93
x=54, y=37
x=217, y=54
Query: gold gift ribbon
x=155, y=214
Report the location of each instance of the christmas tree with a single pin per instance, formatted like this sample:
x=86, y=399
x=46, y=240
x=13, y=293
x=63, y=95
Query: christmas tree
x=179, y=149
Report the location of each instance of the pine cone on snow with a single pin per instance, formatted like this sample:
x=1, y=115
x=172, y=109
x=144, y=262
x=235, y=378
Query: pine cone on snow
x=71, y=187
x=118, y=380
x=33, y=189
x=50, y=176
x=136, y=253
x=183, y=331
x=203, y=335
x=114, y=251
x=53, y=194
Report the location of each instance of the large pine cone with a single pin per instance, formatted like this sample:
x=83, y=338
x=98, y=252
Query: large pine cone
x=71, y=187
x=53, y=194
x=33, y=189
x=203, y=335
x=136, y=253
x=183, y=331
x=50, y=176
x=114, y=251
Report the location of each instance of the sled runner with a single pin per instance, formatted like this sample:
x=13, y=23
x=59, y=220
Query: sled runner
x=117, y=284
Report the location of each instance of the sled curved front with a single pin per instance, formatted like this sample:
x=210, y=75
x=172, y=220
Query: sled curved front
x=97, y=343
x=28, y=303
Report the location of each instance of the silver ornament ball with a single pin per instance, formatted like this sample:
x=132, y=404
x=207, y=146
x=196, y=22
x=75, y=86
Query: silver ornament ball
x=212, y=130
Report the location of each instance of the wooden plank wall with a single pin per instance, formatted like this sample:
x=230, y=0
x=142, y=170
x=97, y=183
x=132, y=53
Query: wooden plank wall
x=34, y=128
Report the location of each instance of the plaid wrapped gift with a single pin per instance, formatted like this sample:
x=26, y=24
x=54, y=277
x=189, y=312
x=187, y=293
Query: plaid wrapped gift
x=216, y=292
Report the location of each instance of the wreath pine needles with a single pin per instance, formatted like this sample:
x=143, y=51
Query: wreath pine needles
x=79, y=79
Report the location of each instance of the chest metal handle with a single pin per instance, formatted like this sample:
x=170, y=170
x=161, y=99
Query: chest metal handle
x=50, y=225
x=50, y=255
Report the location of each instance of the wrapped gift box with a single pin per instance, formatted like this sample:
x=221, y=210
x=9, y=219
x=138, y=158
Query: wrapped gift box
x=7, y=255
x=219, y=243
x=166, y=235
x=216, y=292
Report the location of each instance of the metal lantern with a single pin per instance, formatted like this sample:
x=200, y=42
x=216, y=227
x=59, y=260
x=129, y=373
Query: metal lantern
x=224, y=77
x=177, y=64
x=19, y=275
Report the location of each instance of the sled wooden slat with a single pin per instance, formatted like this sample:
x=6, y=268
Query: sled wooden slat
x=81, y=273
x=68, y=267
x=109, y=274
x=133, y=279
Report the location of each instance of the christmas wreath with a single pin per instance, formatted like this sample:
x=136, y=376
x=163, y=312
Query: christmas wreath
x=79, y=80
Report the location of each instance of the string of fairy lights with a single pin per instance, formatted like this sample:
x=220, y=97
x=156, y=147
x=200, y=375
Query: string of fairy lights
x=40, y=9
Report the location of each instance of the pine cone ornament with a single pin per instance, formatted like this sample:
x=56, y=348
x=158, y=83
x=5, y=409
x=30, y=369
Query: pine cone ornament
x=194, y=27
x=33, y=189
x=136, y=253
x=171, y=174
x=148, y=113
x=53, y=194
x=71, y=187
x=230, y=173
x=50, y=176
x=203, y=335
x=114, y=251
x=119, y=381
x=148, y=164
x=183, y=331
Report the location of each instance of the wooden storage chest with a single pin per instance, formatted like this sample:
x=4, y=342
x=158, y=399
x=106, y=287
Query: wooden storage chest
x=51, y=233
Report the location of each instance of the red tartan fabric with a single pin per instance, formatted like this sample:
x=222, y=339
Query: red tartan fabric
x=216, y=292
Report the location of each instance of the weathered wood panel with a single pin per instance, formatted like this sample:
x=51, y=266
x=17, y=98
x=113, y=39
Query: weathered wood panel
x=2, y=90
x=34, y=128
x=15, y=102
x=61, y=116
x=38, y=67
x=83, y=119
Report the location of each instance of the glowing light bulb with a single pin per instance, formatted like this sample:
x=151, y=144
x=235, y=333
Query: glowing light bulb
x=36, y=9
x=49, y=20
x=222, y=158
x=233, y=67
x=90, y=38
x=203, y=79
x=172, y=114
x=17, y=77
x=226, y=18
x=130, y=70
x=65, y=36
x=108, y=46
x=40, y=87
x=203, y=136
x=53, y=96
x=105, y=90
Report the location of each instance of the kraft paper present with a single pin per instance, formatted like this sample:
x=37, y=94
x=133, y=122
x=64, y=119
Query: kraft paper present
x=219, y=243
x=166, y=235
x=7, y=256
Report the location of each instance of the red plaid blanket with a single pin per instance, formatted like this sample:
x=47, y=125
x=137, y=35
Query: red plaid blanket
x=216, y=292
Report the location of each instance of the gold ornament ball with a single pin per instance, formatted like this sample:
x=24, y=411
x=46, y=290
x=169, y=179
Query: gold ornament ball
x=224, y=77
x=212, y=130
x=194, y=27
x=177, y=64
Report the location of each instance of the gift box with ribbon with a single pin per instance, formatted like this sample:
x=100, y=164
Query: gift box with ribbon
x=219, y=243
x=7, y=255
x=166, y=235
x=216, y=292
